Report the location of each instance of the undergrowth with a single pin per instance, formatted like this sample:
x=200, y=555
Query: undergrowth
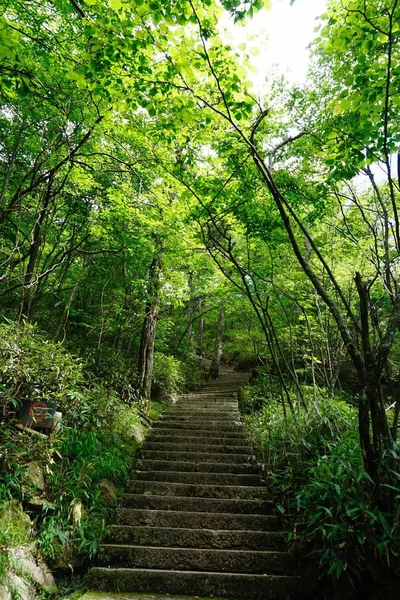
x=312, y=462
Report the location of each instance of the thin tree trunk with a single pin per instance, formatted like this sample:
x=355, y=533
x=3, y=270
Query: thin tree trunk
x=200, y=333
x=27, y=293
x=216, y=359
x=65, y=315
x=146, y=350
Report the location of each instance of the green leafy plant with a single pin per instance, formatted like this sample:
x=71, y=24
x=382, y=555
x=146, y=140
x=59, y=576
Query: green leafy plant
x=168, y=377
x=313, y=464
x=80, y=517
x=33, y=368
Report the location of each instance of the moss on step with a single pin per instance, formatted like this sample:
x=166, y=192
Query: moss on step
x=114, y=596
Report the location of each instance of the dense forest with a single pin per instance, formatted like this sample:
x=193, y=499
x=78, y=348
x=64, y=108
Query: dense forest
x=152, y=204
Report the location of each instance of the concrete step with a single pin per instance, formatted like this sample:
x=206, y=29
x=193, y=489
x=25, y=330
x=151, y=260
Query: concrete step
x=196, y=447
x=225, y=392
x=238, y=433
x=193, y=504
x=190, y=440
x=196, y=467
x=206, y=405
x=200, y=412
x=173, y=455
x=210, y=396
x=226, y=479
x=196, y=520
x=227, y=585
x=185, y=425
x=178, y=537
x=195, y=559
x=190, y=490
x=205, y=420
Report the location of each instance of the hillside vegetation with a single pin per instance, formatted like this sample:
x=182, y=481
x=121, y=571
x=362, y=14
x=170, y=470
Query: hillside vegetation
x=152, y=205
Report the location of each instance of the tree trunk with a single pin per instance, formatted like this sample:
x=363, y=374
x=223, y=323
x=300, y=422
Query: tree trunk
x=216, y=359
x=200, y=332
x=27, y=288
x=65, y=314
x=146, y=350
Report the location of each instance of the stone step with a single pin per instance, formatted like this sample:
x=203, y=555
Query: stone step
x=206, y=407
x=202, y=433
x=178, y=537
x=197, y=447
x=196, y=467
x=205, y=416
x=227, y=585
x=190, y=440
x=190, y=490
x=228, y=392
x=208, y=420
x=184, y=424
x=214, y=411
x=210, y=396
x=181, y=455
x=193, y=504
x=219, y=395
x=209, y=399
x=195, y=559
x=228, y=479
x=196, y=520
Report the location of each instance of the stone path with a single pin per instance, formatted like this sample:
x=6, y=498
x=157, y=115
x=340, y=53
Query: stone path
x=196, y=520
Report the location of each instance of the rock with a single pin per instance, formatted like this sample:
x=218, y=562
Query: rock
x=5, y=593
x=20, y=588
x=16, y=521
x=36, y=570
x=34, y=475
x=67, y=557
x=38, y=505
x=108, y=493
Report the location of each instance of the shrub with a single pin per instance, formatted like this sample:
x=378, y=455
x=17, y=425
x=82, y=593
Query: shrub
x=314, y=467
x=34, y=368
x=97, y=441
x=168, y=377
x=343, y=525
x=79, y=518
x=114, y=371
x=193, y=373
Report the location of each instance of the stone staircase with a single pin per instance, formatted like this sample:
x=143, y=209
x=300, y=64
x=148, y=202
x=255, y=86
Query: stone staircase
x=195, y=519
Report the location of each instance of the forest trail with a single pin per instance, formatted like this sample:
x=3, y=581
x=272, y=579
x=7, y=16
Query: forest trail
x=196, y=519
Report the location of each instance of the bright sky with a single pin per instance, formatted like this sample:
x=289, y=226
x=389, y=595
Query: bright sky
x=282, y=35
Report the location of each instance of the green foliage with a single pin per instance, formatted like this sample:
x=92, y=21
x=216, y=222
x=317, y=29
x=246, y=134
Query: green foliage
x=97, y=441
x=193, y=374
x=79, y=519
x=289, y=445
x=113, y=370
x=350, y=534
x=15, y=530
x=33, y=368
x=168, y=376
x=262, y=391
x=313, y=465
